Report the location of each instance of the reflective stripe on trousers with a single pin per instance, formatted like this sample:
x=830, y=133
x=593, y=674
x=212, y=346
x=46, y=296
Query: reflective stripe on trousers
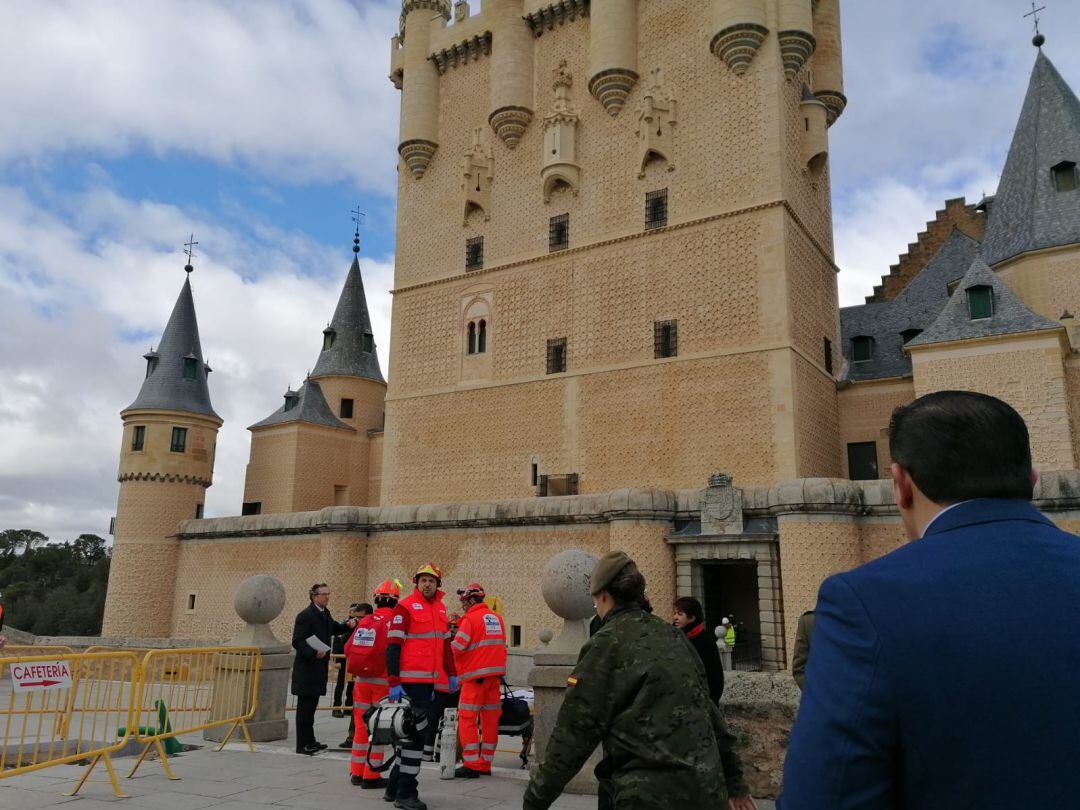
x=364, y=695
x=478, y=722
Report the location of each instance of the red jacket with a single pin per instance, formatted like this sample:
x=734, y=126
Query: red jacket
x=420, y=626
x=365, y=650
x=480, y=644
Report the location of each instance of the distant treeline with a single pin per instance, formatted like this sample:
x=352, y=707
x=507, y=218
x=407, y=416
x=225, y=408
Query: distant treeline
x=53, y=589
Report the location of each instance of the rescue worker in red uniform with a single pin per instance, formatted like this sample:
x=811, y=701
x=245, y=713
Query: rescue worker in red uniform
x=418, y=660
x=480, y=658
x=365, y=657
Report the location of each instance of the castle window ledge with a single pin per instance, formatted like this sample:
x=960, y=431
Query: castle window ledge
x=462, y=52
x=560, y=12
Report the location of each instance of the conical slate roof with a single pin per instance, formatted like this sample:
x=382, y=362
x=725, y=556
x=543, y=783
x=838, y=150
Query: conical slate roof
x=165, y=388
x=1029, y=213
x=352, y=353
x=1010, y=315
x=306, y=405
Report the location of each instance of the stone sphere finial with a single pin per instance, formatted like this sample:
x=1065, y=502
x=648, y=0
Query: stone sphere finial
x=259, y=599
x=565, y=584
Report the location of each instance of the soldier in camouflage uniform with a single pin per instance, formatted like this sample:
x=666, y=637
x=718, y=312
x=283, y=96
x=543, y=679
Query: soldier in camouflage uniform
x=639, y=690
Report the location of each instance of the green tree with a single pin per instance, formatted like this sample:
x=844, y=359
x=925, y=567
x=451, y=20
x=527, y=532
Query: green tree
x=11, y=540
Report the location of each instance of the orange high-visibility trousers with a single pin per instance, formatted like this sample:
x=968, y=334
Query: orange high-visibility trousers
x=364, y=695
x=478, y=722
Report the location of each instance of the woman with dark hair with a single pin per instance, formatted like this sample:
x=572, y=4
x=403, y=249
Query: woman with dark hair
x=690, y=618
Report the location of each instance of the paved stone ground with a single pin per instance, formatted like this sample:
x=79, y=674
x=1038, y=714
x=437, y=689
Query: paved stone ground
x=274, y=776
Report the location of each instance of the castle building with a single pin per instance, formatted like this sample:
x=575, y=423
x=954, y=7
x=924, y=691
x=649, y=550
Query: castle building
x=615, y=325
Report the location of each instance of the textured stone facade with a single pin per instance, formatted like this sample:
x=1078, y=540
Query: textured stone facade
x=865, y=409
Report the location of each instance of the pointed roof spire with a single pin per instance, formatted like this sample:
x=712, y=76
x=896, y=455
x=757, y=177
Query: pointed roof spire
x=1029, y=212
x=176, y=372
x=348, y=342
x=1009, y=315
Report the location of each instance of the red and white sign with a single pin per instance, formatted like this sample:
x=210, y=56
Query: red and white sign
x=40, y=676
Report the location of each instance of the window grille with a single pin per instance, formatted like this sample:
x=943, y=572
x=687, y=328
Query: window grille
x=559, y=233
x=474, y=253
x=656, y=209
x=666, y=339
x=179, y=440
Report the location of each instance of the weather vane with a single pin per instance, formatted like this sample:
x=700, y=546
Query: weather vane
x=357, y=216
x=189, y=249
x=1038, y=39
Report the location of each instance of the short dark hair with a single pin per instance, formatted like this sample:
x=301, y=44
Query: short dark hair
x=628, y=587
x=363, y=607
x=691, y=607
x=315, y=589
x=959, y=445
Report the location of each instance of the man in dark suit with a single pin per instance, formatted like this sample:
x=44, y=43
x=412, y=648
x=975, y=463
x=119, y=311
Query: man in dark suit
x=911, y=702
x=310, y=667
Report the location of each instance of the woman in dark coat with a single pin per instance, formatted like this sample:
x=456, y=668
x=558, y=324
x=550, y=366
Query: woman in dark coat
x=311, y=669
x=690, y=617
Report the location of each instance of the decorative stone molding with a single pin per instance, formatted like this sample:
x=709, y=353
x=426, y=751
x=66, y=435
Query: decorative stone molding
x=558, y=13
x=612, y=87
x=478, y=176
x=655, y=125
x=166, y=478
x=834, y=102
x=737, y=44
x=510, y=123
x=560, y=137
x=460, y=53
x=440, y=7
x=721, y=506
x=796, y=47
x=417, y=155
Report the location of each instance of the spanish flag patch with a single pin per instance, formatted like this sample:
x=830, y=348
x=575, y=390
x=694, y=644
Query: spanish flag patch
x=571, y=681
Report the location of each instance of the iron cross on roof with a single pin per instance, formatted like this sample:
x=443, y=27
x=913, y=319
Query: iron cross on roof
x=189, y=249
x=1038, y=39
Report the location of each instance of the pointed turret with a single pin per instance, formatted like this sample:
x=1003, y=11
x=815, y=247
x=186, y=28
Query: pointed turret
x=176, y=374
x=1037, y=204
x=348, y=342
x=306, y=405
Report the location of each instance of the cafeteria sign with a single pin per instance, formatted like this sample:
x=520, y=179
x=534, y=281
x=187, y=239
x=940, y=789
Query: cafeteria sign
x=40, y=676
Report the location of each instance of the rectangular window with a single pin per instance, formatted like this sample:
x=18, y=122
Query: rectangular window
x=138, y=437
x=341, y=495
x=199, y=511
x=515, y=635
x=346, y=409
x=665, y=339
x=191, y=366
x=474, y=253
x=656, y=209
x=826, y=345
x=862, y=349
x=551, y=486
x=191, y=602
x=534, y=476
x=369, y=343
x=179, y=440
x=556, y=356
x=251, y=508
x=559, y=233
x=1065, y=177
x=980, y=302
x=862, y=461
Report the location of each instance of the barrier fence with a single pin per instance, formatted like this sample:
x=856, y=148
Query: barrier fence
x=69, y=707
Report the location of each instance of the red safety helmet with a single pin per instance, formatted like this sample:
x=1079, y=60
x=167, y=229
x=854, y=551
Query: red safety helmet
x=471, y=591
x=430, y=569
x=388, y=588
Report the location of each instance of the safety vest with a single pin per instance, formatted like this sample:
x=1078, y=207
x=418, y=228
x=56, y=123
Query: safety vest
x=422, y=629
x=729, y=637
x=365, y=651
x=480, y=644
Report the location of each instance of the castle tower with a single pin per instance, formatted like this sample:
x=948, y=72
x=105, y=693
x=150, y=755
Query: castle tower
x=166, y=466
x=321, y=447
x=420, y=83
x=646, y=291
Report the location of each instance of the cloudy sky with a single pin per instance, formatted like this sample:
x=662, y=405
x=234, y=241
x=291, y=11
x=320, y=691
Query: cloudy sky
x=125, y=125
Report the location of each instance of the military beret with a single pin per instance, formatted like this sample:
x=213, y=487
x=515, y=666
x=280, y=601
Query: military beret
x=607, y=568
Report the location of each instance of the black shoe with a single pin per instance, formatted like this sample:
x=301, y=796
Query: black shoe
x=372, y=784
x=309, y=750
x=466, y=773
x=337, y=713
x=410, y=804
x=356, y=780
x=389, y=798
x=346, y=744
x=321, y=746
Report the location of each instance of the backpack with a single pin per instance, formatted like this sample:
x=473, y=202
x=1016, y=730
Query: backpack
x=365, y=651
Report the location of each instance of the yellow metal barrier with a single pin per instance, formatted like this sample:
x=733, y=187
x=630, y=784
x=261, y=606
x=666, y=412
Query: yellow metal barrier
x=63, y=708
x=189, y=690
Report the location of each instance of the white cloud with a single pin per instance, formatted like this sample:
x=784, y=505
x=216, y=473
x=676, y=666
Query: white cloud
x=296, y=89
x=77, y=302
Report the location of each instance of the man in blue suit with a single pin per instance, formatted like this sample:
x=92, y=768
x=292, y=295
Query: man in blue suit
x=946, y=675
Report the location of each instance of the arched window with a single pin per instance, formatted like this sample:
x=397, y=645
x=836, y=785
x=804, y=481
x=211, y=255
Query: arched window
x=1065, y=176
x=471, y=342
x=481, y=337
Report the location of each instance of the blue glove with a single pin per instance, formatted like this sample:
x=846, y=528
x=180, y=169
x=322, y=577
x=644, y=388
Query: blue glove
x=396, y=693
x=453, y=683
